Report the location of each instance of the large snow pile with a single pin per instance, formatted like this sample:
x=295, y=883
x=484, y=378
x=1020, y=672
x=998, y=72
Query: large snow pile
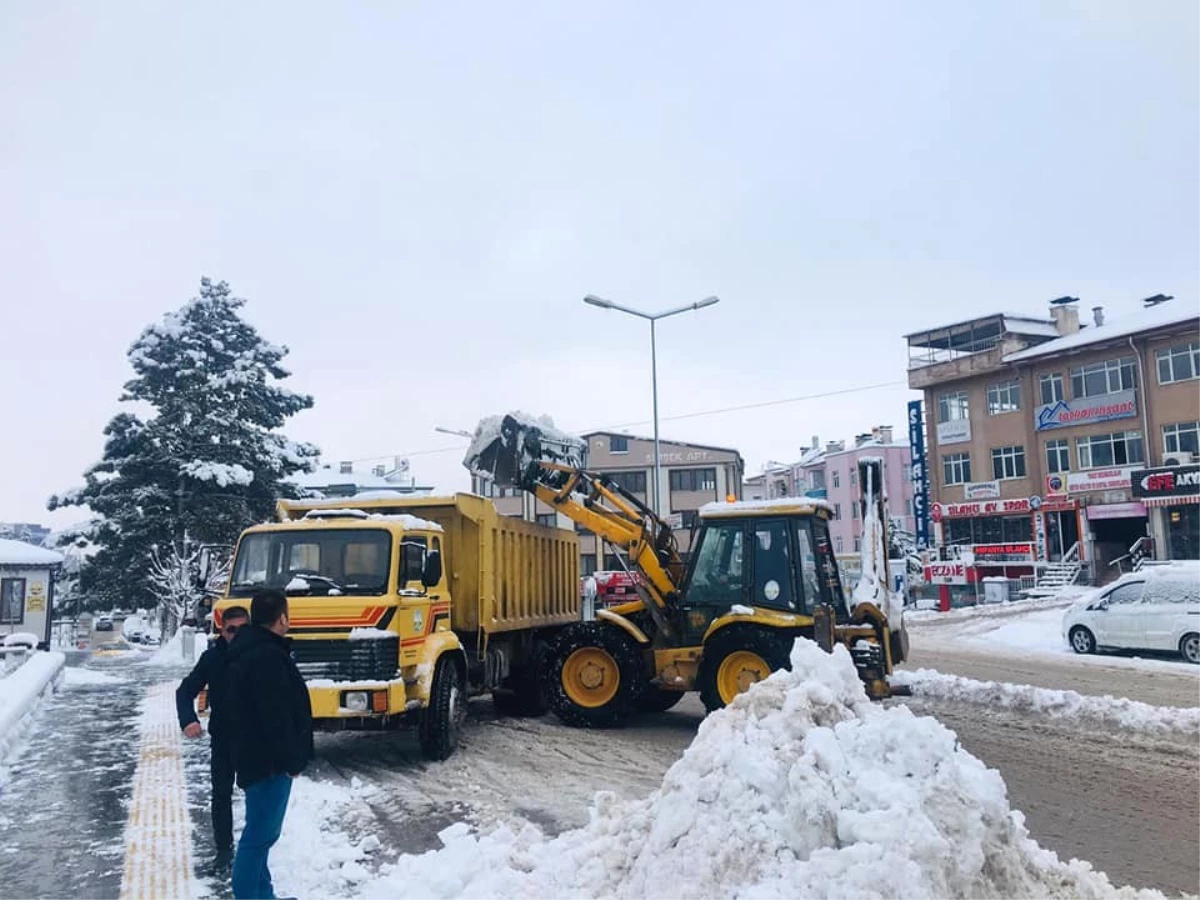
x=800, y=788
x=171, y=653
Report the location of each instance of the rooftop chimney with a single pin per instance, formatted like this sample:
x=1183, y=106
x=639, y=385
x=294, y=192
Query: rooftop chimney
x=345, y=468
x=1098, y=315
x=860, y=439
x=816, y=442
x=834, y=446
x=1066, y=316
x=1155, y=300
x=885, y=434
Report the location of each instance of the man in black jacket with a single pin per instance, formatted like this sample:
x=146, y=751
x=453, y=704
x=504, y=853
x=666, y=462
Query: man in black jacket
x=272, y=735
x=209, y=673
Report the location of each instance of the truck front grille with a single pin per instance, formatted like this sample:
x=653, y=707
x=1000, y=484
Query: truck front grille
x=373, y=660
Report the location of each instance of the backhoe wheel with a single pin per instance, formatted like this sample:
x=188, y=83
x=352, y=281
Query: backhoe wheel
x=736, y=658
x=593, y=675
x=656, y=700
x=442, y=720
x=522, y=694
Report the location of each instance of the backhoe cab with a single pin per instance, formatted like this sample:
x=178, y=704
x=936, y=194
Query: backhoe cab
x=760, y=575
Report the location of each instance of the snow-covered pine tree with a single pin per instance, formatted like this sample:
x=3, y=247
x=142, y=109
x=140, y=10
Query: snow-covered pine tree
x=206, y=462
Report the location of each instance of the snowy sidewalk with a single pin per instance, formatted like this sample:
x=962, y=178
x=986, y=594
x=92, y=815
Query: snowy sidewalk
x=21, y=690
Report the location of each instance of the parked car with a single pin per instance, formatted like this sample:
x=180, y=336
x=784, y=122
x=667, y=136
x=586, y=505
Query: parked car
x=1155, y=608
x=104, y=623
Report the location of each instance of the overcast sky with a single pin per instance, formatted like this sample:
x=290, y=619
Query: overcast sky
x=415, y=197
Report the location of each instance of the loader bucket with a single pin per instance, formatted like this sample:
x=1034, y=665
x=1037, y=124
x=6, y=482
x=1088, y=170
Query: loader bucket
x=504, y=448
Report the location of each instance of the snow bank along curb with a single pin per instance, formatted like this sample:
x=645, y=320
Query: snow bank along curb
x=1107, y=710
x=21, y=690
x=158, y=838
x=828, y=796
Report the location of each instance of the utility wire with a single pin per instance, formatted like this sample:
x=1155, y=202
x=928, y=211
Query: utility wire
x=763, y=404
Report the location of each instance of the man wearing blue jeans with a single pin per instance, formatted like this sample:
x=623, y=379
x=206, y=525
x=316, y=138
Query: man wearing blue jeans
x=272, y=736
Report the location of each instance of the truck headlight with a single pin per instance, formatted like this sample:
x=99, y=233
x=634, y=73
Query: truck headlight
x=355, y=701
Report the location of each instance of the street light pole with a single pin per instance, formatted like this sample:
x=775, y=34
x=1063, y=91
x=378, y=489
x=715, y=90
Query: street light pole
x=652, y=318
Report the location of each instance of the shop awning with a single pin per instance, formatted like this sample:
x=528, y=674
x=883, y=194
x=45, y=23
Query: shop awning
x=1171, y=501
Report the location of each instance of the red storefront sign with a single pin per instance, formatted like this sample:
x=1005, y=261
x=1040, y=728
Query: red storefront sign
x=983, y=508
x=1018, y=552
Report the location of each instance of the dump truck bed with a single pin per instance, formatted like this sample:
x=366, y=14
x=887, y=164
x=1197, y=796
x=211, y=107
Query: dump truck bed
x=505, y=574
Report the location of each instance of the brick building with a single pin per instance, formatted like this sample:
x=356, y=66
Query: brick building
x=1048, y=436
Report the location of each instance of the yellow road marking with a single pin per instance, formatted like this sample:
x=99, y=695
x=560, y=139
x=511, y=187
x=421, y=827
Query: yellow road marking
x=158, y=839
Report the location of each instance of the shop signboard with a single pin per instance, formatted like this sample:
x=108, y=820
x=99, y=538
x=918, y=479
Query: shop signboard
x=981, y=490
x=920, y=473
x=1099, y=480
x=1115, y=511
x=984, y=508
x=1086, y=410
x=946, y=573
x=1016, y=552
x=956, y=431
x=1173, y=481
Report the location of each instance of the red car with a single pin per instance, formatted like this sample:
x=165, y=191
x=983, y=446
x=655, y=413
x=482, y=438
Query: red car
x=615, y=587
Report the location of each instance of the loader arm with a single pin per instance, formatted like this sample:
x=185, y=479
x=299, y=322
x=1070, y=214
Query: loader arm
x=531, y=456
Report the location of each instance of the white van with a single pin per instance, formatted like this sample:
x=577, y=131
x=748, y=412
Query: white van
x=1155, y=608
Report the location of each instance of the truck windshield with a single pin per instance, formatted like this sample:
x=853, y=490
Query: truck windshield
x=324, y=562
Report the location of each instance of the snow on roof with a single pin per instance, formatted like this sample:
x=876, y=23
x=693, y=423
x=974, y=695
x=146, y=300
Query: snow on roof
x=1161, y=316
x=777, y=504
x=19, y=553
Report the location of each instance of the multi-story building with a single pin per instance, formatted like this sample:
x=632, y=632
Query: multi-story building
x=346, y=481
x=692, y=475
x=832, y=473
x=1049, y=437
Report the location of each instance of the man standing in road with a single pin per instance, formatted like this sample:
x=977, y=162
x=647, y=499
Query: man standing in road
x=210, y=673
x=271, y=725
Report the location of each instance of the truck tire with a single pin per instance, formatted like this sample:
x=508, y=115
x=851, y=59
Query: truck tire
x=592, y=675
x=521, y=695
x=442, y=720
x=656, y=700
x=735, y=658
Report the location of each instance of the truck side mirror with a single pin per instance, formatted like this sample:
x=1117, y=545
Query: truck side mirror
x=431, y=574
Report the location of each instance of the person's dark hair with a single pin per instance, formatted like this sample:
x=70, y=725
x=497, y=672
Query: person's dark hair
x=235, y=612
x=267, y=605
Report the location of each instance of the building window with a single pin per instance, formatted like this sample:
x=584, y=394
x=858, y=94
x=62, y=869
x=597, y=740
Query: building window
x=854, y=510
x=953, y=406
x=1003, y=397
x=816, y=480
x=687, y=518
x=12, y=601
x=837, y=510
x=853, y=478
x=693, y=479
x=1179, y=363
x=839, y=545
x=1008, y=462
x=857, y=544
x=1058, y=456
x=613, y=562
x=1182, y=438
x=1052, y=388
x=550, y=520
x=1109, y=377
x=630, y=482
x=1102, y=450
x=837, y=479
x=587, y=563
x=618, y=444
x=956, y=468
x=908, y=507
x=988, y=530
x=581, y=531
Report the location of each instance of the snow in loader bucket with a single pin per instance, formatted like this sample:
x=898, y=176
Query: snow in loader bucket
x=504, y=447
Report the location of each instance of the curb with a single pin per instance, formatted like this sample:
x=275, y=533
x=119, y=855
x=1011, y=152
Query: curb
x=46, y=675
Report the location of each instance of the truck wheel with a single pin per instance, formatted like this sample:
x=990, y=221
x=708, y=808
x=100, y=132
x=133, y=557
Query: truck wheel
x=736, y=658
x=592, y=675
x=521, y=695
x=442, y=720
x=656, y=700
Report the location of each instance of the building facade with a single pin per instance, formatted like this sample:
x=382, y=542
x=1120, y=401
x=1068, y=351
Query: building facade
x=1047, y=436
x=27, y=589
x=692, y=475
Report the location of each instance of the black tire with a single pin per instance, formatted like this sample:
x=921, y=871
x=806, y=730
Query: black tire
x=771, y=647
x=624, y=656
x=656, y=700
x=442, y=720
x=522, y=694
x=1082, y=640
x=1189, y=648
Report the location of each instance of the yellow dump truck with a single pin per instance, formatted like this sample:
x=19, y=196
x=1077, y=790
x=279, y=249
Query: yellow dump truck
x=403, y=608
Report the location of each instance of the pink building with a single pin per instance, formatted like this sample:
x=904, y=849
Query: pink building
x=832, y=472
